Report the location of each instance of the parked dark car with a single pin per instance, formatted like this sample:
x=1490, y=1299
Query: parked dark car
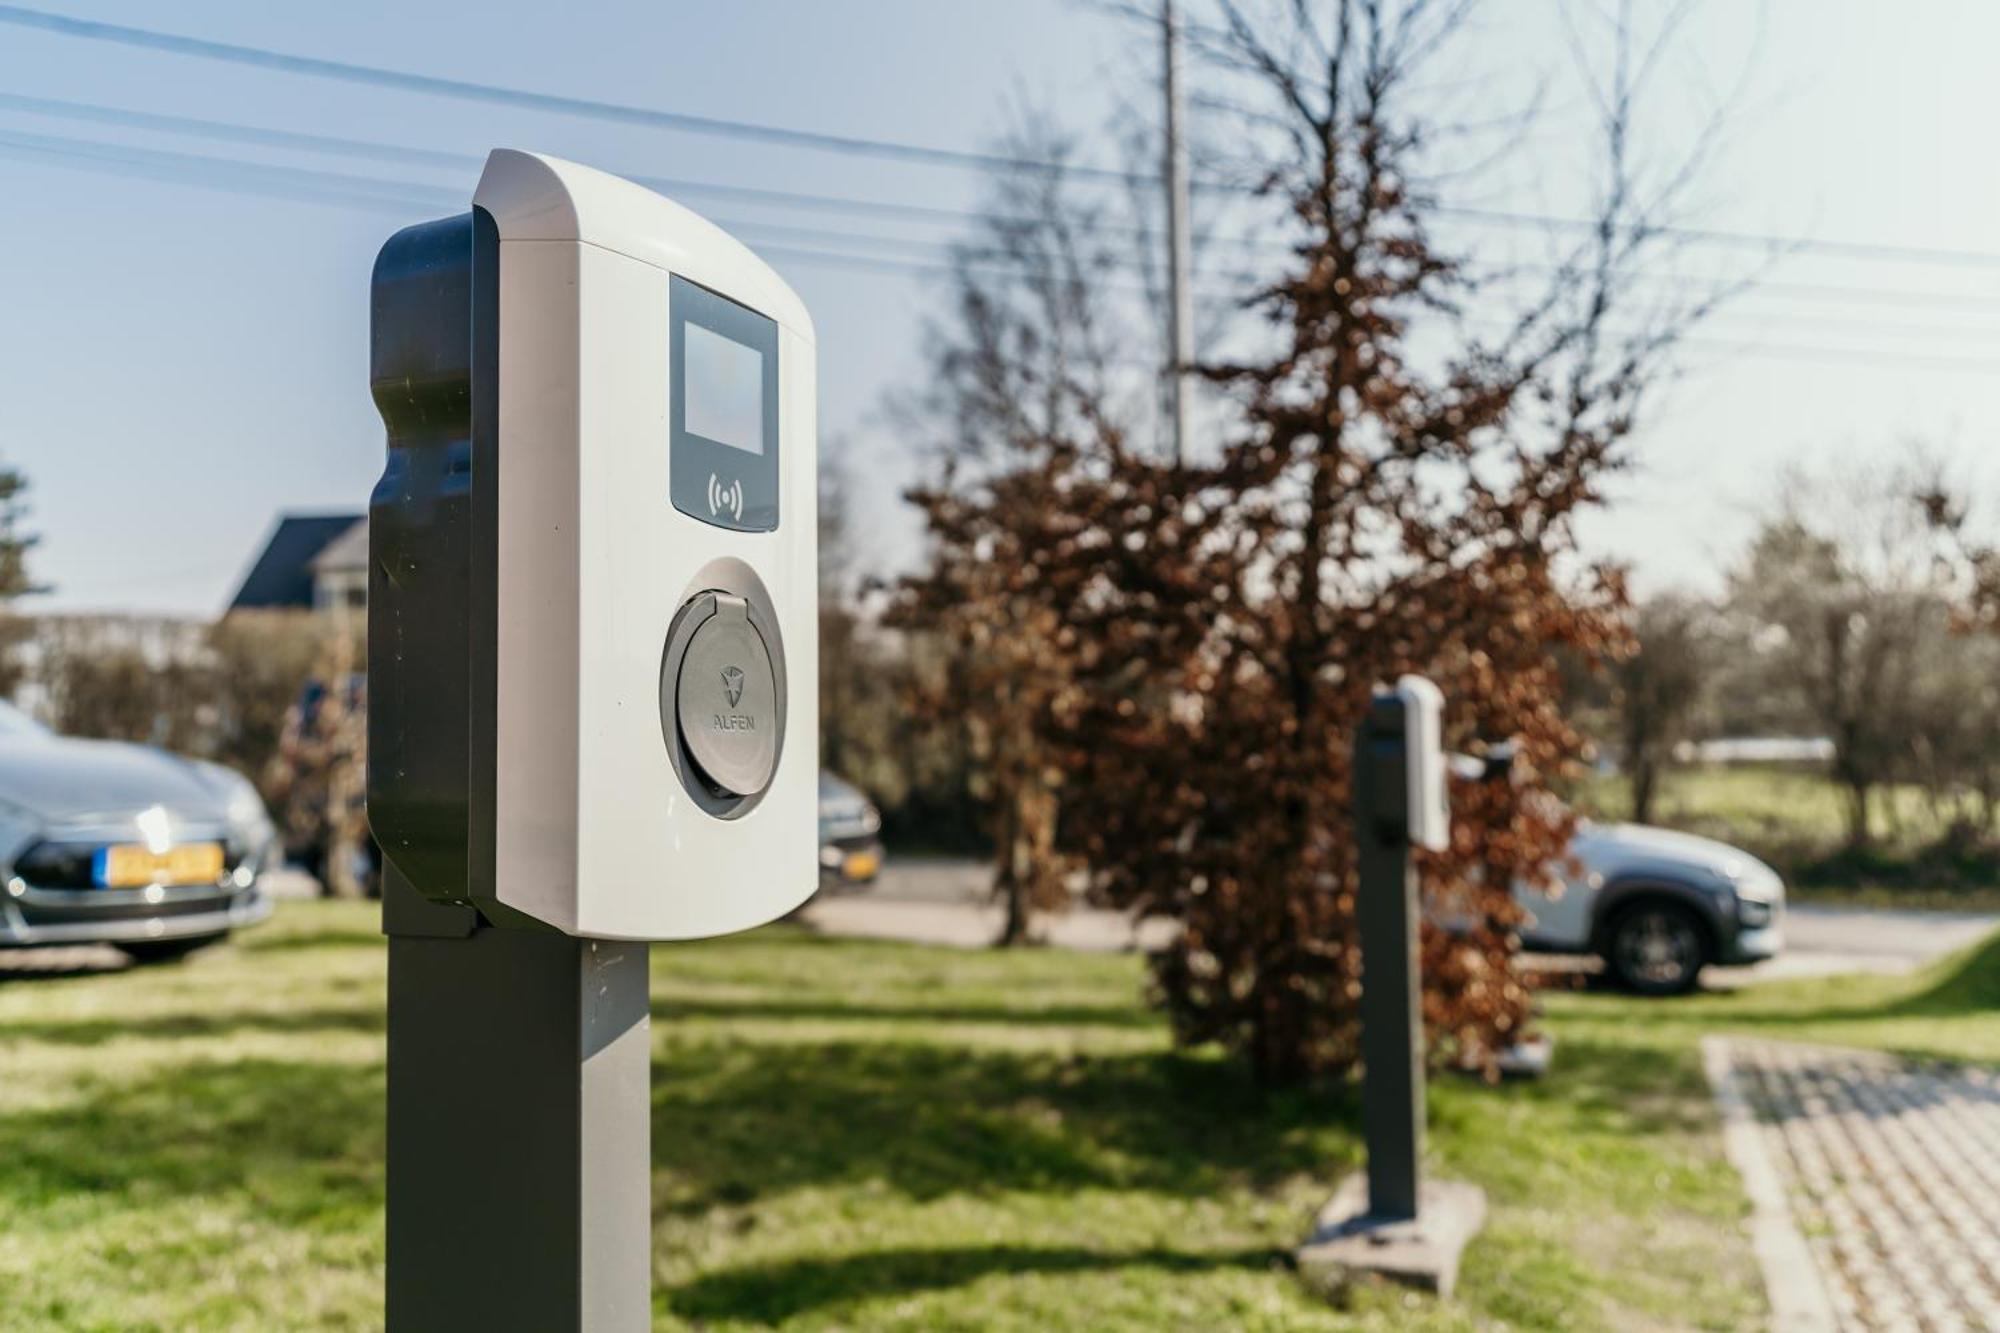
x=850, y=827
x=104, y=842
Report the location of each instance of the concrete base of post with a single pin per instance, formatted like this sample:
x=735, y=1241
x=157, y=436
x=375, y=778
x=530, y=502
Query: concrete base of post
x=1348, y=1244
x=1526, y=1059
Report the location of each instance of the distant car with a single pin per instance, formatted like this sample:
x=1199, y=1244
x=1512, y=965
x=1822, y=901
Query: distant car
x=850, y=845
x=103, y=842
x=1657, y=906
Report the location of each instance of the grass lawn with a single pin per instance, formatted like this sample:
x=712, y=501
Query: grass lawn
x=872, y=1136
x=1949, y=1011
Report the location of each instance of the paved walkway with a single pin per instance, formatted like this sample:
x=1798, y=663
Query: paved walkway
x=1876, y=1184
x=948, y=900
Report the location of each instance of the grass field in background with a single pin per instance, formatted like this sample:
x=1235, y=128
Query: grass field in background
x=1794, y=818
x=858, y=1135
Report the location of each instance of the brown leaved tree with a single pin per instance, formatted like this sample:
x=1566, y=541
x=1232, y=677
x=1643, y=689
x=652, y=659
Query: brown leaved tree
x=1191, y=645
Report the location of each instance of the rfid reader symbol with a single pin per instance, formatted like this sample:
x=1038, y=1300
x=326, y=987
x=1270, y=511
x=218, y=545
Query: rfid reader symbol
x=725, y=499
x=732, y=684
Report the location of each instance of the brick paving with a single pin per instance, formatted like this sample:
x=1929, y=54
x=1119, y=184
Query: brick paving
x=1891, y=1172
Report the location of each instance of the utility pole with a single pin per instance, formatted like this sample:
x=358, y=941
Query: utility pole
x=1180, y=311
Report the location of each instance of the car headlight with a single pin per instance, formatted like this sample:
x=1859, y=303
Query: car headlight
x=1753, y=912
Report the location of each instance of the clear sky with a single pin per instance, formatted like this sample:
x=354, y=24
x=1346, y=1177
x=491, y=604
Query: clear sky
x=179, y=363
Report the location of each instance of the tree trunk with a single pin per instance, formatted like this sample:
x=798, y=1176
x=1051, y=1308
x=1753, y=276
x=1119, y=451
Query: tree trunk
x=1008, y=885
x=1014, y=930
x=1028, y=876
x=1645, y=785
x=1859, y=830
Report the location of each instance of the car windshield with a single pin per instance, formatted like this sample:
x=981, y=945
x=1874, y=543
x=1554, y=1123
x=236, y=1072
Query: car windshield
x=15, y=724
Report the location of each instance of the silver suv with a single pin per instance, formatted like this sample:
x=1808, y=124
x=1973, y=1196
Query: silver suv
x=1657, y=906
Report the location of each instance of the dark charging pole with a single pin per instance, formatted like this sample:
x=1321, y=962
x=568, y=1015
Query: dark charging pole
x=1391, y=1222
x=1392, y=1038
x=520, y=1149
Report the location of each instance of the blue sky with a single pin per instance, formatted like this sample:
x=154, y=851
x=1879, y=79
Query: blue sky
x=179, y=363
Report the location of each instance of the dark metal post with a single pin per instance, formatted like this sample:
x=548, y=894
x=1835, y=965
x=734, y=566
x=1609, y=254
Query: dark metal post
x=1392, y=1038
x=519, y=1155
x=519, y=1140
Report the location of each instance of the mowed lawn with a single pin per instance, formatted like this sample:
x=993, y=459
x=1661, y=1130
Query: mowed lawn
x=870, y=1136
x=1778, y=804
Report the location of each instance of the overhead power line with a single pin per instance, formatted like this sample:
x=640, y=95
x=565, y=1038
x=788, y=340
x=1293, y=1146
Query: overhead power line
x=886, y=149
x=265, y=136
x=1750, y=240
x=913, y=255
x=923, y=214
x=235, y=175
x=495, y=94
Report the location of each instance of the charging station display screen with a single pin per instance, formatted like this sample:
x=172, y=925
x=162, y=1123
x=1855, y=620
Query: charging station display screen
x=725, y=390
x=722, y=465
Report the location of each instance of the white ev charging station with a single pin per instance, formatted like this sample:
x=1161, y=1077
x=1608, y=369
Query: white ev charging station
x=593, y=670
x=1424, y=763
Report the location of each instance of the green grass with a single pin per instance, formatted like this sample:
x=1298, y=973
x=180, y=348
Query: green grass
x=847, y=1135
x=1948, y=1011
x=1771, y=803
x=855, y=1135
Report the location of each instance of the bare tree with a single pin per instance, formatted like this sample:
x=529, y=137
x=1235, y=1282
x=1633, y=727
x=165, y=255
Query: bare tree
x=1026, y=375
x=1658, y=688
x=1846, y=576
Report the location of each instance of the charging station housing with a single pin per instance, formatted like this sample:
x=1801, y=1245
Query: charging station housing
x=602, y=484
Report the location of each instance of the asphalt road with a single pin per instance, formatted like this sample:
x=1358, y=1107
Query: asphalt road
x=945, y=901
x=936, y=900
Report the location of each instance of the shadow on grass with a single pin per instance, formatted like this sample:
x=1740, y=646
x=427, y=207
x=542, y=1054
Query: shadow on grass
x=1129, y=1016
x=305, y=1139
x=293, y=941
x=1615, y=1088
x=737, y=1121
x=363, y=1018
x=773, y=1293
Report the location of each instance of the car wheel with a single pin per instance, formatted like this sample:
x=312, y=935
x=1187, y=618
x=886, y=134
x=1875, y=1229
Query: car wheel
x=167, y=951
x=1656, y=948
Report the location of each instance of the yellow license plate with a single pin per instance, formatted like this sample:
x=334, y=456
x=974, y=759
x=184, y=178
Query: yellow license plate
x=860, y=865
x=131, y=866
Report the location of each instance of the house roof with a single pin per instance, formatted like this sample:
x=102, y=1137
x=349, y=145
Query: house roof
x=348, y=551
x=283, y=573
